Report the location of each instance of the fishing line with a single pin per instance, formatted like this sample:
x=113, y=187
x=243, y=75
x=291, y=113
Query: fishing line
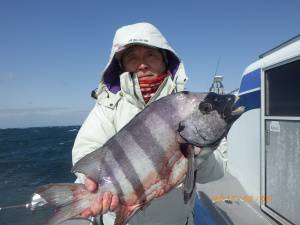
x=36, y=201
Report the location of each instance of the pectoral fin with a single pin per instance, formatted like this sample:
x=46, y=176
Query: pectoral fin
x=189, y=182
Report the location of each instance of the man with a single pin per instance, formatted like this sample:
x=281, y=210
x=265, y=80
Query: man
x=142, y=68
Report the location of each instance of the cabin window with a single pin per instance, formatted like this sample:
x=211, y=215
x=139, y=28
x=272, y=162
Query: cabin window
x=282, y=95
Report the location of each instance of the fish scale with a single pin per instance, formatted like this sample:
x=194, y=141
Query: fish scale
x=145, y=159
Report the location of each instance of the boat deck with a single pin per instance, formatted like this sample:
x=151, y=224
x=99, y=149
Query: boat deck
x=226, y=202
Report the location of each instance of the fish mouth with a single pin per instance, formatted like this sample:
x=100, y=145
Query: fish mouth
x=238, y=111
x=231, y=112
x=235, y=114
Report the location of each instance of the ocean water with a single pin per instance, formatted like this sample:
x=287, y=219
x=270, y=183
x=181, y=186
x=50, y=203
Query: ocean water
x=28, y=158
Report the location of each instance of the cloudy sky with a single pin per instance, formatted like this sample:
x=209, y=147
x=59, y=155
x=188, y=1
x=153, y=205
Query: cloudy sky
x=52, y=52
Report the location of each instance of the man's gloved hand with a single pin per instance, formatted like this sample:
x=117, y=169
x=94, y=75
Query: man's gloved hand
x=211, y=162
x=201, y=154
x=102, y=204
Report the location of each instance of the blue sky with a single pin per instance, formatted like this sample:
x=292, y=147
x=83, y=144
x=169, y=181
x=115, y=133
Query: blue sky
x=52, y=52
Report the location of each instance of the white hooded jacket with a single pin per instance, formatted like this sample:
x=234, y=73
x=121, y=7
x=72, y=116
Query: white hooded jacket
x=119, y=99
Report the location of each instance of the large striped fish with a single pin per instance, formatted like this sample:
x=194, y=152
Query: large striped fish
x=148, y=157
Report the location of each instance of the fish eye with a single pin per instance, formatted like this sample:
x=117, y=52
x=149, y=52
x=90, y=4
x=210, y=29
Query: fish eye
x=205, y=107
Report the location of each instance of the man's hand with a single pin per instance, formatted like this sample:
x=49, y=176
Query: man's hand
x=102, y=204
x=197, y=150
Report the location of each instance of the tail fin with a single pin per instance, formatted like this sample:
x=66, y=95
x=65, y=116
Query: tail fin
x=69, y=200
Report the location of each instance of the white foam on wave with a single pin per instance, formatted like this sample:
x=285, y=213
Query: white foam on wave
x=72, y=130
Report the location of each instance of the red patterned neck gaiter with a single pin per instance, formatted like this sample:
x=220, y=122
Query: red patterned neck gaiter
x=150, y=85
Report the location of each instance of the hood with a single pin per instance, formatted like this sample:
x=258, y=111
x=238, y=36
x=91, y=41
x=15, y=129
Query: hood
x=143, y=34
